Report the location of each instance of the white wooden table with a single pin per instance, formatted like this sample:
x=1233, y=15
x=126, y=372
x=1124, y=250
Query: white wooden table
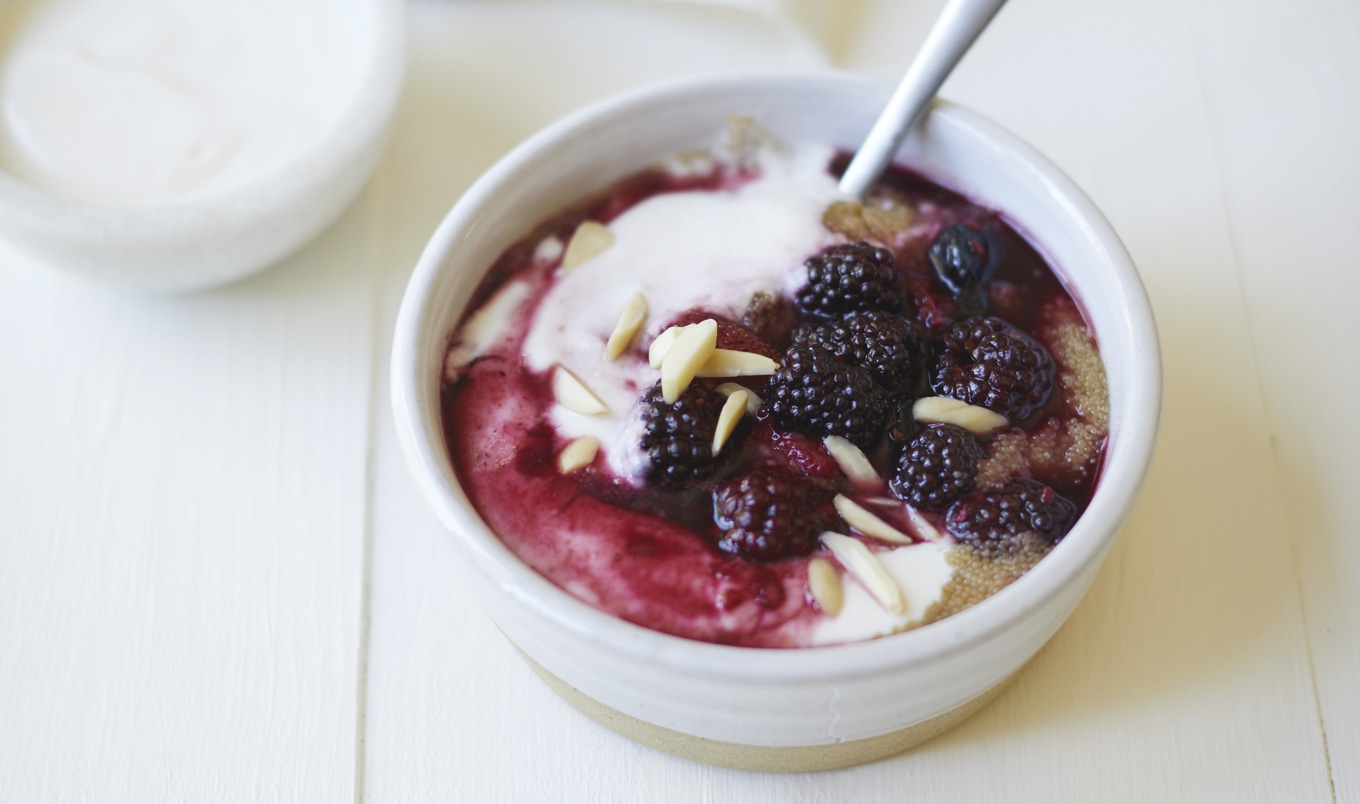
x=218, y=583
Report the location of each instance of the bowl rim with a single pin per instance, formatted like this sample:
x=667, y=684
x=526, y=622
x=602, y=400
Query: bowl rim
x=1122, y=474
x=365, y=112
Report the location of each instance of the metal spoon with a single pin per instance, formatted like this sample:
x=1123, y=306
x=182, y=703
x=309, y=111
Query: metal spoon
x=955, y=31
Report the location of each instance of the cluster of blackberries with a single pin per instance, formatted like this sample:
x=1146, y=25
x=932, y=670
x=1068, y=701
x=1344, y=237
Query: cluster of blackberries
x=855, y=354
x=845, y=376
x=856, y=362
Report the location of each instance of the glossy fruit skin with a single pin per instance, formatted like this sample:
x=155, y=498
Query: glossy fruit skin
x=985, y=361
x=677, y=439
x=884, y=343
x=996, y=522
x=937, y=467
x=966, y=255
x=815, y=394
x=850, y=278
x=731, y=335
x=765, y=516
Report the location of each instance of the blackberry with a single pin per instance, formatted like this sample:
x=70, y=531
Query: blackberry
x=989, y=363
x=997, y=522
x=847, y=279
x=814, y=394
x=883, y=343
x=938, y=466
x=765, y=516
x=677, y=439
x=965, y=255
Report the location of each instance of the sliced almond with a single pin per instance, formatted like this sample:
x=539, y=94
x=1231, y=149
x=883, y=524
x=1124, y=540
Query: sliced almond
x=852, y=461
x=731, y=363
x=943, y=410
x=867, y=569
x=729, y=418
x=589, y=240
x=825, y=584
x=630, y=324
x=663, y=343
x=578, y=454
x=549, y=249
x=573, y=394
x=753, y=402
x=867, y=522
x=922, y=525
x=682, y=361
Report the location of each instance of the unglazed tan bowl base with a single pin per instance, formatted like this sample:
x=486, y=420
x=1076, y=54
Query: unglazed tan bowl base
x=779, y=759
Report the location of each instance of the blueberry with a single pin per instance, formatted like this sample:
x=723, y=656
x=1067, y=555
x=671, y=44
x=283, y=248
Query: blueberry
x=965, y=255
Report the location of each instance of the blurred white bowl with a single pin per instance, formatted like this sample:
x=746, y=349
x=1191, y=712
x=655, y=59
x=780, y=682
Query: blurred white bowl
x=210, y=240
x=809, y=708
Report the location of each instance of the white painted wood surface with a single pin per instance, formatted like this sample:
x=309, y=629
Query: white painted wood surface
x=217, y=582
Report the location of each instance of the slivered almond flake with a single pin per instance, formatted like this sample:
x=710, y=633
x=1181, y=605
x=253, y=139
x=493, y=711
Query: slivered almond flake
x=682, y=361
x=943, y=410
x=753, y=402
x=573, y=394
x=922, y=525
x=852, y=461
x=867, y=522
x=825, y=584
x=662, y=344
x=589, y=240
x=731, y=363
x=578, y=454
x=729, y=418
x=630, y=324
x=865, y=567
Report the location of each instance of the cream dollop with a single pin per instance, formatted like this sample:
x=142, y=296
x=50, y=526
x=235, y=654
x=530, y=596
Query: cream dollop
x=710, y=249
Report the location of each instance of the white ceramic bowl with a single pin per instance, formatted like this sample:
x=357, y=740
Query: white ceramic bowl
x=760, y=708
x=214, y=239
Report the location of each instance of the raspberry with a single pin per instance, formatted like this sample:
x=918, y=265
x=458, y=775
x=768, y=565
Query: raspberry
x=805, y=455
x=997, y=522
x=731, y=335
x=987, y=362
x=847, y=279
x=765, y=516
x=938, y=466
x=965, y=255
x=678, y=439
x=814, y=394
x=883, y=343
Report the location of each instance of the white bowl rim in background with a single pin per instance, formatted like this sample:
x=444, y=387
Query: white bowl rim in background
x=415, y=390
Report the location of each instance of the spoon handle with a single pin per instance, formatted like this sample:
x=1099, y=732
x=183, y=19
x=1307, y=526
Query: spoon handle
x=955, y=31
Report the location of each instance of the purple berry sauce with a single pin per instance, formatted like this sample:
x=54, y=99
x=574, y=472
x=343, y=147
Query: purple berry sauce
x=653, y=554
